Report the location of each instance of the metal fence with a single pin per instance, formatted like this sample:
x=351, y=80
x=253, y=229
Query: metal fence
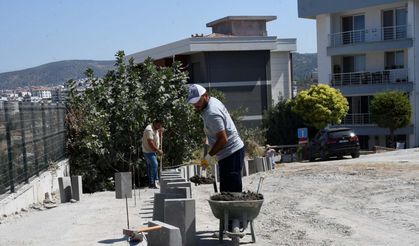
x=32, y=135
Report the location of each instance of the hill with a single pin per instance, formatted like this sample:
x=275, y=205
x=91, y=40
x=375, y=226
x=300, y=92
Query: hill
x=55, y=73
x=304, y=65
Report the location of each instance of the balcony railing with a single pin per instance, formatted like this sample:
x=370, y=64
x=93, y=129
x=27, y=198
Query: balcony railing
x=357, y=119
x=366, y=78
x=370, y=35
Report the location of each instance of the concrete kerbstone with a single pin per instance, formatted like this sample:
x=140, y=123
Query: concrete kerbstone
x=65, y=189
x=164, y=181
x=168, y=236
x=185, y=192
x=180, y=185
x=76, y=187
x=158, y=207
x=123, y=185
x=181, y=213
x=245, y=169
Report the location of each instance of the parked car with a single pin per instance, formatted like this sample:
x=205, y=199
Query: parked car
x=334, y=142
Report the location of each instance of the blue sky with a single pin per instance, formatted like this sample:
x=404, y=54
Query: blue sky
x=33, y=33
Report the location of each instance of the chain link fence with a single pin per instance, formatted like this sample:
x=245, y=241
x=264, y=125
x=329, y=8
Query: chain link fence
x=32, y=136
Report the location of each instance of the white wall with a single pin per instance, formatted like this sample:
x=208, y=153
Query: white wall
x=280, y=75
x=374, y=61
x=413, y=65
x=324, y=62
x=34, y=192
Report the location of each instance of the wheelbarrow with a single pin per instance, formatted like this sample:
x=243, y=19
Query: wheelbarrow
x=239, y=214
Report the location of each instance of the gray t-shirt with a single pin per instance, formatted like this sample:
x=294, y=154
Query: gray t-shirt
x=216, y=118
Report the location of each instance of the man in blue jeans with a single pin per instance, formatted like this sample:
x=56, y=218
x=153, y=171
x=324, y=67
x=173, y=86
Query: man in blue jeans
x=151, y=147
x=223, y=137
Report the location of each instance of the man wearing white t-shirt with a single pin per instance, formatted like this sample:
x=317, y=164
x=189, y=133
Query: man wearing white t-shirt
x=150, y=146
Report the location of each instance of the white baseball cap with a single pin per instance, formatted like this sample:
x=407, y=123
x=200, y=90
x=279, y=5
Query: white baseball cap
x=195, y=93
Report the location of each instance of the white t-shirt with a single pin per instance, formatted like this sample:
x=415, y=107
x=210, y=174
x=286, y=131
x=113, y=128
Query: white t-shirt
x=149, y=133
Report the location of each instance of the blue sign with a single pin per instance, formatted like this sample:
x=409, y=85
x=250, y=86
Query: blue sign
x=302, y=133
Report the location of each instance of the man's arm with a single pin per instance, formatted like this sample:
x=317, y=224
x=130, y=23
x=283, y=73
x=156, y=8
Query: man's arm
x=152, y=144
x=219, y=143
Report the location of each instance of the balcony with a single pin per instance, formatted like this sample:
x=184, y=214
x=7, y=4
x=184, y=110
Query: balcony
x=370, y=35
x=357, y=119
x=370, y=78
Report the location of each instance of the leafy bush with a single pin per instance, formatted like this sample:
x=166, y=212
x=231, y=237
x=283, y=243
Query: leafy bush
x=106, y=120
x=391, y=110
x=321, y=105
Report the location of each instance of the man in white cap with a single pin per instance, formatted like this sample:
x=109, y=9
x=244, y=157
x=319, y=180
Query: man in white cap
x=223, y=137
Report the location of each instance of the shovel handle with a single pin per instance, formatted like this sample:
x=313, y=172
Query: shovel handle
x=152, y=228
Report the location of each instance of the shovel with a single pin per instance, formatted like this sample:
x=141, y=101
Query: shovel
x=138, y=235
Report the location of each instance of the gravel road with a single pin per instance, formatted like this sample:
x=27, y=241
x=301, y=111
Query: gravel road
x=372, y=200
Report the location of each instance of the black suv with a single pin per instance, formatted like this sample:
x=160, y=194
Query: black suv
x=334, y=142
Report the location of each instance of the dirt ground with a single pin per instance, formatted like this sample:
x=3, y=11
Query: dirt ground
x=372, y=200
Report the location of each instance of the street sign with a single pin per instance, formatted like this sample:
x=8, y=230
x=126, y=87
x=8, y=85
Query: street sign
x=302, y=135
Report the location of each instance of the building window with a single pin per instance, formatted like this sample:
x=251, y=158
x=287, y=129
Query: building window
x=394, y=59
x=353, y=29
x=394, y=24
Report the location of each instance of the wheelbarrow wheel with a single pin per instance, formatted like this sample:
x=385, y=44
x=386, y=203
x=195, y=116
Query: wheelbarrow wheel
x=236, y=240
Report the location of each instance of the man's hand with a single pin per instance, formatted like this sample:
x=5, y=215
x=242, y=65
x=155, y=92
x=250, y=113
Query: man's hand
x=160, y=151
x=205, y=161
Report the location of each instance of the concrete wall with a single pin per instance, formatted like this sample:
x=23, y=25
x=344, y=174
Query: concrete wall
x=324, y=62
x=312, y=8
x=34, y=192
x=280, y=75
x=413, y=53
x=244, y=77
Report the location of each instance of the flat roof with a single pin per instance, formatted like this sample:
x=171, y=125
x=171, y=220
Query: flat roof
x=243, y=18
x=203, y=44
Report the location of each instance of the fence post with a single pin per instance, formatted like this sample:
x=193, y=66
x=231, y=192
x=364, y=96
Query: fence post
x=9, y=146
x=35, y=140
x=60, y=123
x=22, y=130
x=44, y=134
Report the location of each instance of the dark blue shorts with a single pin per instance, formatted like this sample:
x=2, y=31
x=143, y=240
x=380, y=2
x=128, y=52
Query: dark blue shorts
x=231, y=172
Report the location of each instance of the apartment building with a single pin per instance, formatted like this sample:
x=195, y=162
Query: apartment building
x=238, y=58
x=366, y=47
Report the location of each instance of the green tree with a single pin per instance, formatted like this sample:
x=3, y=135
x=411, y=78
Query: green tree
x=106, y=120
x=282, y=124
x=321, y=105
x=391, y=110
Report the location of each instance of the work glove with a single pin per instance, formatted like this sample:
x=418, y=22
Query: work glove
x=205, y=161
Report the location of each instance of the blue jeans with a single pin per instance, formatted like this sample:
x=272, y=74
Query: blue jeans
x=151, y=160
x=231, y=172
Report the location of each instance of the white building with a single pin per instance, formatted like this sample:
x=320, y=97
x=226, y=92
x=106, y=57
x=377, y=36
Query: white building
x=365, y=47
x=239, y=58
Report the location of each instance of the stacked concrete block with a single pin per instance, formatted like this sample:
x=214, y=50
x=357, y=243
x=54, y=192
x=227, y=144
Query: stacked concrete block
x=252, y=166
x=269, y=162
x=191, y=171
x=64, y=184
x=123, y=185
x=180, y=185
x=183, y=172
x=259, y=164
x=168, y=235
x=184, y=192
x=181, y=213
x=76, y=187
x=245, y=168
x=216, y=172
x=170, y=172
x=164, y=181
x=158, y=209
x=198, y=170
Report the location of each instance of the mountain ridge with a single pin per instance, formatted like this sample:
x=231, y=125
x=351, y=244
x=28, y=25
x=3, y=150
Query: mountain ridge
x=57, y=73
